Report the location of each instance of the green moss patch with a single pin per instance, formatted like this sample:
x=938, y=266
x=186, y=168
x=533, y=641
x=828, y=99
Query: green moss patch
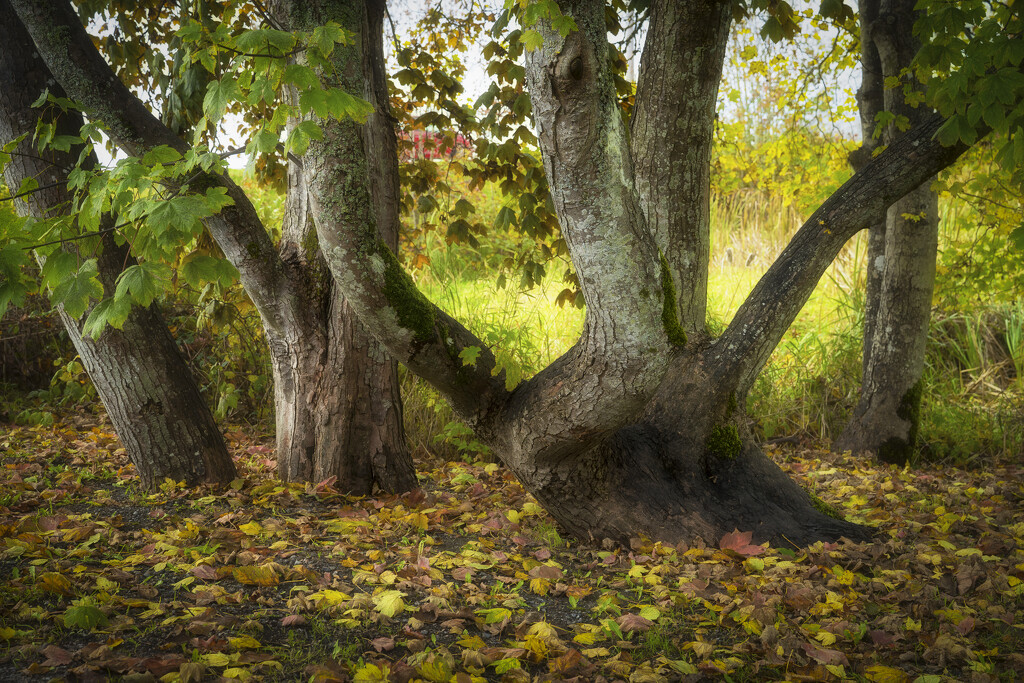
x=669, y=318
x=415, y=313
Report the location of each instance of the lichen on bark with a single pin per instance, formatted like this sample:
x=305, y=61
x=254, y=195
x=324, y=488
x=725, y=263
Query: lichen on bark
x=414, y=312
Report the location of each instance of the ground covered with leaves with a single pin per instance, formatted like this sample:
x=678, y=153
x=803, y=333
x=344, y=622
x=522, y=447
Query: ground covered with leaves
x=468, y=579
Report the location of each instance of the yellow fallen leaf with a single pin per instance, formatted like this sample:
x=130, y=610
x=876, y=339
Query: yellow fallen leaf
x=251, y=528
x=256, y=576
x=389, y=603
x=244, y=643
x=885, y=674
x=55, y=583
x=372, y=674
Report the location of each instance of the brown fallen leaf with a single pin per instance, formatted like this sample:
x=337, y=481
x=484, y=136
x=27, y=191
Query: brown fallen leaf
x=825, y=656
x=383, y=644
x=633, y=622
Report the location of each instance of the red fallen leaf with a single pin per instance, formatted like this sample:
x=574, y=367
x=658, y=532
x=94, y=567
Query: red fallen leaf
x=56, y=656
x=462, y=573
x=633, y=622
x=293, y=620
x=544, y=571
x=161, y=666
x=825, y=656
x=542, y=554
x=739, y=542
x=799, y=597
x=383, y=644
x=204, y=571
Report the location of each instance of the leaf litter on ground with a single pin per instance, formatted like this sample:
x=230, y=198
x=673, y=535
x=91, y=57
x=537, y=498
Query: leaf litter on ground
x=468, y=579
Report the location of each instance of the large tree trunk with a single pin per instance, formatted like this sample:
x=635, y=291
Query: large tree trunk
x=337, y=402
x=636, y=429
x=901, y=268
x=150, y=395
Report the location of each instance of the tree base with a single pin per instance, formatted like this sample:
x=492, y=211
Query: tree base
x=644, y=481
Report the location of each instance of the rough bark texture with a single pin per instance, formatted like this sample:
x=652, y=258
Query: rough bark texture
x=901, y=274
x=338, y=410
x=870, y=101
x=672, y=133
x=148, y=391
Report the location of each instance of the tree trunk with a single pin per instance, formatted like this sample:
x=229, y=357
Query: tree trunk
x=150, y=395
x=332, y=420
x=901, y=272
x=339, y=409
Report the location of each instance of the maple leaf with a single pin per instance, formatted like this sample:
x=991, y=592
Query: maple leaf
x=739, y=542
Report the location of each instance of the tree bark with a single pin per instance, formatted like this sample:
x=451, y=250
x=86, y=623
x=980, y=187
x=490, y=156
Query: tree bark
x=142, y=379
x=672, y=131
x=901, y=269
x=337, y=406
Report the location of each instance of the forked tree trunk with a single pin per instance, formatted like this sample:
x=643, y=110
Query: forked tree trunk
x=338, y=408
x=636, y=429
x=149, y=393
x=901, y=270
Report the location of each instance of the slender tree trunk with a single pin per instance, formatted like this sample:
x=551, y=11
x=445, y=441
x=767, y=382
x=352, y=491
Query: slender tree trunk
x=332, y=420
x=870, y=101
x=901, y=272
x=149, y=393
x=675, y=111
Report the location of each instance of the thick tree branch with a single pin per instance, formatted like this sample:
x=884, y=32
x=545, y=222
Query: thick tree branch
x=87, y=78
x=740, y=353
x=672, y=133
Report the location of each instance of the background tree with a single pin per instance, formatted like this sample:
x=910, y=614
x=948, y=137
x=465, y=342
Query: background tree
x=150, y=395
x=902, y=250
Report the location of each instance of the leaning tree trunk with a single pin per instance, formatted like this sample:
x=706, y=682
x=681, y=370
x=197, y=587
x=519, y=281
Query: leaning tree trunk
x=901, y=278
x=150, y=395
x=338, y=408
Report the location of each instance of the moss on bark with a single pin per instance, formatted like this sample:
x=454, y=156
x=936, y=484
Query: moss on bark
x=414, y=312
x=669, y=317
x=724, y=442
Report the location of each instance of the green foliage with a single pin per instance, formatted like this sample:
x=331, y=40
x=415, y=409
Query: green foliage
x=970, y=64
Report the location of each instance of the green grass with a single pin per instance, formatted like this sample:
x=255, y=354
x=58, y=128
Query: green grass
x=973, y=378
